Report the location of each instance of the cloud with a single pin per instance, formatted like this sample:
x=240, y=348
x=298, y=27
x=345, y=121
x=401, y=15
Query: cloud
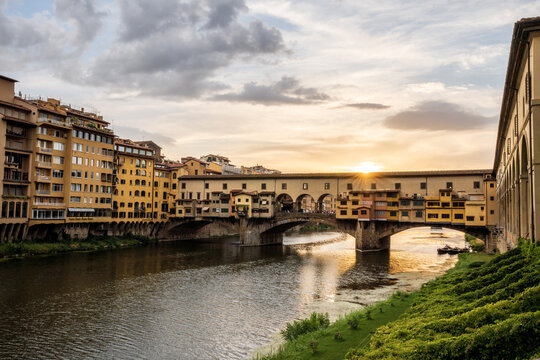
x=285, y=91
x=367, y=106
x=437, y=115
x=137, y=134
x=84, y=15
x=174, y=49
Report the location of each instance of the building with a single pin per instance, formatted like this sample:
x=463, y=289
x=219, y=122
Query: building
x=257, y=169
x=133, y=196
x=517, y=186
x=17, y=129
x=194, y=166
x=225, y=166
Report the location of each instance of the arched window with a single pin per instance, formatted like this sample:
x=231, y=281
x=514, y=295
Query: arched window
x=137, y=162
x=137, y=182
x=143, y=182
x=136, y=192
x=143, y=193
x=143, y=163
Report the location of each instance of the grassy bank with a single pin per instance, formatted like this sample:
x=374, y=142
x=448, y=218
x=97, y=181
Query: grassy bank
x=485, y=307
x=93, y=243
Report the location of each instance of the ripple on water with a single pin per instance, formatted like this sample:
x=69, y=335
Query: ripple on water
x=192, y=300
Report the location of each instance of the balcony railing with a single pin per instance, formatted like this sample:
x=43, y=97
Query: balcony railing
x=45, y=150
x=43, y=192
x=43, y=164
x=43, y=178
x=15, y=133
x=52, y=121
x=49, y=204
x=16, y=176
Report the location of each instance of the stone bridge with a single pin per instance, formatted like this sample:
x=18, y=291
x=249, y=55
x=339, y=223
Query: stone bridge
x=369, y=235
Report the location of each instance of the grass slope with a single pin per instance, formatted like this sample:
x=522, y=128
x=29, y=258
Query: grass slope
x=488, y=311
x=330, y=348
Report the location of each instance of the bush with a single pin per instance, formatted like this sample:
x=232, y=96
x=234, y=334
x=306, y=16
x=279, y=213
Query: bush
x=314, y=344
x=338, y=336
x=354, y=321
x=314, y=322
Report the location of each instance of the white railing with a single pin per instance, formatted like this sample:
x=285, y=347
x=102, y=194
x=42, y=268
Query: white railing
x=43, y=192
x=52, y=121
x=44, y=164
x=49, y=204
x=46, y=150
x=44, y=178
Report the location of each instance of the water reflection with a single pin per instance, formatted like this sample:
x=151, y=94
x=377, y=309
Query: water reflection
x=186, y=300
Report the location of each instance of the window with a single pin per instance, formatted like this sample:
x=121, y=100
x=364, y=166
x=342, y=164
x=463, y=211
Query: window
x=75, y=199
x=75, y=187
x=470, y=218
x=57, y=187
x=393, y=213
x=418, y=214
x=492, y=185
x=224, y=186
x=183, y=185
x=304, y=186
x=343, y=212
x=476, y=185
x=445, y=216
x=405, y=213
x=58, y=174
x=283, y=186
x=59, y=146
x=349, y=186
x=206, y=185
x=326, y=186
x=433, y=216
x=355, y=212
x=449, y=185
x=58, y=160
x=355, y=202
x=373, y=186
x=397, y=186
x=244, y=186
x=458, y=216
x=263, y=186
x=492, y=212
x=492, y=198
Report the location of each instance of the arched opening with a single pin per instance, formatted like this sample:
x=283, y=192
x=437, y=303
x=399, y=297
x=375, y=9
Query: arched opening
x=326, y=204
x=284, y=204
x=306, y=204
x=524, y=191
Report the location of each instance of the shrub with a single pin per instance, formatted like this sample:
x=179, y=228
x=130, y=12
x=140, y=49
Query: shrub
x=314, y=322
x=338, y=336
x=314, y=344
x=354, y=320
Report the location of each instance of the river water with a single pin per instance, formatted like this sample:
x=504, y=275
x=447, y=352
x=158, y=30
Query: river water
x=198, y=300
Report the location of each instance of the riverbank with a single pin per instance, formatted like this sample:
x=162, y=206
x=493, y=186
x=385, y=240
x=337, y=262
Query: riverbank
x=18, y=250
x=467, y=294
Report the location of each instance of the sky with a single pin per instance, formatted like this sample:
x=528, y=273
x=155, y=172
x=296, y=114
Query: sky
x=299, y=86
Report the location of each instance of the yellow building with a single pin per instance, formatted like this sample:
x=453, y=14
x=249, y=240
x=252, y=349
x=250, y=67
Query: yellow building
x=17, y=128
x=51, y=178
x=194, y=166
x=133, y=198
x=89, y=195
x=392, y=206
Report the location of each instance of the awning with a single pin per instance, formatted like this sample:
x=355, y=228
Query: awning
x=205, y=208
x=80, y=210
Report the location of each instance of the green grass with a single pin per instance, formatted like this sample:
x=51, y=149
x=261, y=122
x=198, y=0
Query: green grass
x=488, y=310
x=94, y=243
x=380, y=313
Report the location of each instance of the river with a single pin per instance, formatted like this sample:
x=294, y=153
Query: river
x=198, y=300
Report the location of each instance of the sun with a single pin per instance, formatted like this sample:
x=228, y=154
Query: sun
x=367, y=167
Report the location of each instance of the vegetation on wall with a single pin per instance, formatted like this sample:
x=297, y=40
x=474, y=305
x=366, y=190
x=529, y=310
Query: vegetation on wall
x=92, y=243
x=476, y=244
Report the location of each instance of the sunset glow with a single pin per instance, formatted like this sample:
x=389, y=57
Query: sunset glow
x=367, y=167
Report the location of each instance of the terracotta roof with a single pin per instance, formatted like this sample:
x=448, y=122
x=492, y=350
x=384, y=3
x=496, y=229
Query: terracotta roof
x=46, y=109
x=345, y=175
x=25, y=122
x=8, y=79
x=13, y=105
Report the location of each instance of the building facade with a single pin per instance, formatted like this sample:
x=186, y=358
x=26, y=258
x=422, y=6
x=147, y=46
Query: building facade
x=517, y=189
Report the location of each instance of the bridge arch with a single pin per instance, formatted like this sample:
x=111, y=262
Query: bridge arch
x=284, y=203
x=326, y=203
x=305, y=203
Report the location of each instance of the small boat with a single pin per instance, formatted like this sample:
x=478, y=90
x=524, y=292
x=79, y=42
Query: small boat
x=452, y=250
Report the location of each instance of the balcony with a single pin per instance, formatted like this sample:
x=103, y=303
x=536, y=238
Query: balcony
x=17, y=145
x=52, y=121
x=44, y=150
x=12, y=164
x=43, y=164
x=17, y=134
x=16, y=176
x=43, y=192
x=49, y=204
x=43, y=178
